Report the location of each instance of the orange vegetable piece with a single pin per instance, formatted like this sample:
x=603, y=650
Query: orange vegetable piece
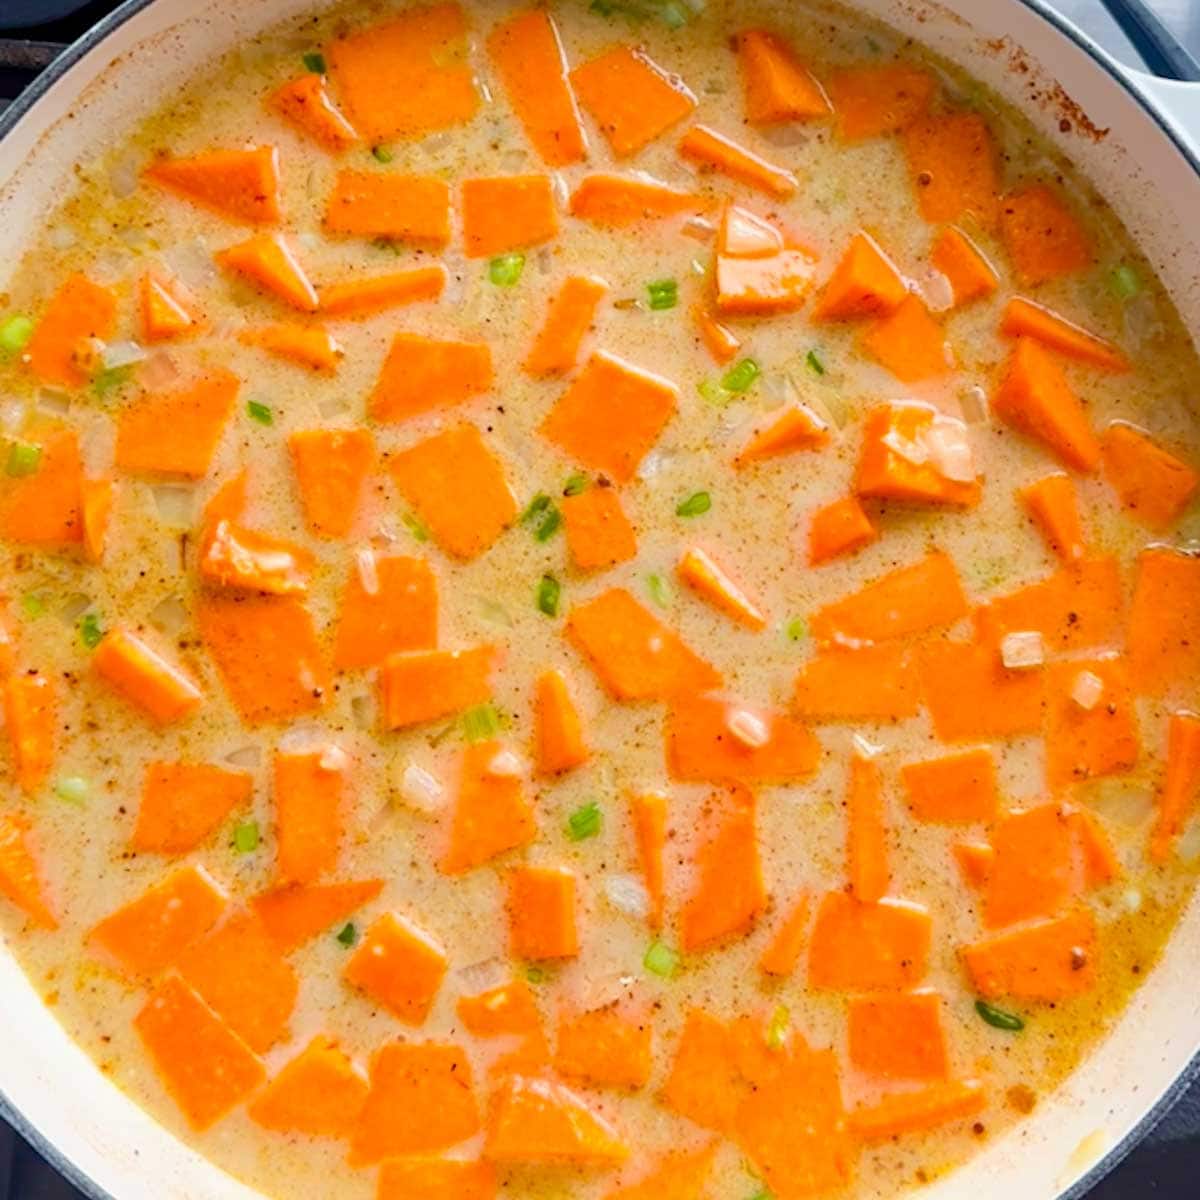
x=571, y=314
x=204, y=1065
x=422, y=1099
x=1037, y=868
x=319, y=1093
x=616, y=201
x=676, y=1175
x=697, y=569
x=599, y=534
x=1026, y=318
x=168, y=309
x=898, y=1037
x=30, y=715
x=310, y=790
x=435, y=1179
x=1152, y=483
x=20, y=877
x=871, y=100
x=776, y=86
x=909, y=343
x=704, y=1084
x=267, y=261
x=240, y=185
x=763, y=286
x=267, y=653
x=1044, y=237
x=728, y=895
x=953, y=162
x=144, y=678
x=176, y=433
x=492, y=813
x=435, y=474
x=866, y=836
x=331, y=467
x=705, y=146
x=1181, y=783
x=885, y=474
x=409, y=208
x=1100, y=862
x=783, y=951
x=1052, y=503
x=719, y=340
x=398, y=611
x=797, y=427
x=234, y=557
x=228, y=502
x=914, y=1112
x=183, y=803
x=711, y=738
x=541, y=913
x=857, y=946
x=400, y=965
x=306, y=103
x=540, y=1121
x=865, y=283
x=59, y=353
x=1164, y=621
x=865, y=683
x=311, y=346
x=648, y=811
x=958, y=789
x=1047, y=960
x=508, y=212
x=605, y=1046
x=409, y=76
x=559, y=742
x=504, y=1011
x=421, y=373
x=8, y=644
x=837, y=529
x=355, y=297
x=527, y=54
x=971, y=695
x=975, y=860
x=970, y=274
x=45, y=508
x=148, y=934
x=96, y=501
x=422, y=685
x=635, y=655
x=1083, y=744
x=294, y=914
x=631, y=97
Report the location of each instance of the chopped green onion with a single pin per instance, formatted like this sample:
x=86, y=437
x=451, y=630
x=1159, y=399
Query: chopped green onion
x=741, y=377
x=576, y=484
x=73, y=789
x=348, y=935
x=91, y=632
x=664, y=293
x=661, y=960
x=713, y=392
x=24, y=458
x=32, y=605
x=548, y=593
x=535, y=508
x=245, y=837
x=659, y=589
x=549, y=525
x=111, y=379
x=15, y=333
x=382, y=154
x=505, y=271
x=536, y=974
x=814, y=361
x=481, y=723
x=257, y=411
x=585, y=822
x=314, y=60
x=998, y=1018
x=414, y=526
x=1124, y=282
x=695, y=505
x=797, y=629
x=778, y=1027
x=762, y=1194
x=674, y=16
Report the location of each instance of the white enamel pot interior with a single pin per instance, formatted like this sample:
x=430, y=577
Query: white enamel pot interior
x=1146, y=165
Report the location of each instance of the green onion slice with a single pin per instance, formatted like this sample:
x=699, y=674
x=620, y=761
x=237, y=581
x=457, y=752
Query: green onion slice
x=24, y=458
x=481, y=723
x=245, y=837
x=549, y=592
x=661, y=960
x=257, y=411
x=695, y=505
x=998, y=1018
x=585, y=822
x=505, y=271
x=664, y=294
x=740, y=378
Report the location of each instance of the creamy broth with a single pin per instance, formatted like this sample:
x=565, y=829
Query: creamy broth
x=116, y=224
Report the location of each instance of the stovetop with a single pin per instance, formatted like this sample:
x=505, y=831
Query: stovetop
x=1167, y=1162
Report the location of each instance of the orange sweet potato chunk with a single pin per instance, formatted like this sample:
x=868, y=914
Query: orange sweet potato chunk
x=957, y=789
x=570, y=316
x=1181, y=783
x=715, y=151
x=422, y=685
x=783, y=951
x=1083, y=743
x=717, y=588
x=508, y=1010
x=605, y=1046
x=865, y=283
x=145, y=678
x=400, y=965
x=872, y=100
x=719, y=340
x=1037, y=868
x=540, y=1121
x=509, y=212
x=407, y=208
x=885, y=473
x=31, y=718
x=909, y=343
x=866, y=832
x=59, y=351
x=21, y=881
x=1164, y=621
x=914, y=1112
x=389, y=606
x=310, y=790
x=331, y=467
x=974, y=861
x=295, y=913
x=763, y=286
x=269, y=263
x=46, y=508
x=868, y=683
x=1047, y=960
x=183, y=803
x=541, y=913
x=320, y=1093
x=970, y=274
x=492, y=812
x=864, y=947
x=307, y=104
x=1044, y=237
x=356, y=296
x=1052, y=503
x=1100, y=862
x=898, y=1037
x=616, y=201
x=310, y=346
x=676, y=1175
x=240, y=185
x=648, y=812
x=971, y=695
x=703, y=1084
x=797, y=427
x=422, y=373
x=436, y=1179
x=952, y=159
x=1026, y=318
x=96, y=498
x=232, y=556
x=559, y=738
x=599, y=534
x=1151, y=482
x=776, y=86
x=838, y=529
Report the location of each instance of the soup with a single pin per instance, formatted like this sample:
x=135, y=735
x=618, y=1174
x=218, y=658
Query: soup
x=600, y=602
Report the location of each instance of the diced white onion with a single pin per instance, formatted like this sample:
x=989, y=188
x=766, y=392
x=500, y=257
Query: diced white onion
x=1132, y=899
x=368, y=574
x=61, y=236
x=169, y=615
x=1020, y=651
x=950, y=450
x=158, y=372
x=245, y=757
x=74, y=607
x=53, y=401
x=12, y=415
x=506, y=764
x=363, y=708
x=1087, y=689
x=482, y=976
x=123, y=178
x=333, y=406
x=748, y=728
x=333, y=758
x=974, y=405
x=175, y=504
x=865, y=748
x=936, y=291
x=628, y=895
x=700, y=229
x=419, y=789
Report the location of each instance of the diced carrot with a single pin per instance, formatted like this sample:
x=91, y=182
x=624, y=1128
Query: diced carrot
x=866, y=833
x=887, y=472
x=21, y=881
x=422, y=1099
x=648, y=811
x=307, y=104
x=971, y=695
x=527, y=54
x=310, y=791
x=400, y=965
x=782, y=953
x=30, y=715
x=183, y=802
x=868, y=947
x=1088, y=743
x=797, y=427
x=705, y=146
x=389, y=607
x=865, y=683
x=540, y=1121
x=635, y=655
x=508, y=212
x=1047, y=960
x=728, y=895
x=865, y=283
x=710, y=582
x=763, y=287
x=1045, y=239
x=136, y=670
x=176, y=433
x=570, y=316
x=148, y=934
x=776, y=86
x=422, y=685
x=915, y=1112
x=837, y=529
x=1151, y=482
x=421, y=373
x=234, y=557
x=719, y=340
x=1100, y=862
x=617, y=200
x=975, y=860
x=952, y=159
x=599, y=534
x=204, y=1065
x=957, y=789
x=409, y=76
x=435, y=474
x=59, y=351
x=541, y=913
x=712, y=739
x=875, y=99
x=267, y=653
x=898, y=1037
x=1181, y=783
x=1164, y=621
x=676, y=1175
x=354, y=297
x=331, y=467
x=240, y=185
x=96, y=503
x=605, y=1046
x=492, y=813
x=1036, y=870
x=311, y=346
x=409, y=208
x=294, y=914
x=46, y=508
x=319, y=1093
x=168, y=309
x=559, y=742
x=1052, y=503
x=631, y=97
x=909, y=343
x=703, y=1083
x=1026, y=318
x=267, y=261
x=435, y=1179
x=970, y=274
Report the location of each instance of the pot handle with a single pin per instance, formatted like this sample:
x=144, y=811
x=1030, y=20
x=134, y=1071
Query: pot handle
x=1177, y=100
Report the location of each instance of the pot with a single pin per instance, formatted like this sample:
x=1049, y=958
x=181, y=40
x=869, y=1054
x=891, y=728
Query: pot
x=1136, y=137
